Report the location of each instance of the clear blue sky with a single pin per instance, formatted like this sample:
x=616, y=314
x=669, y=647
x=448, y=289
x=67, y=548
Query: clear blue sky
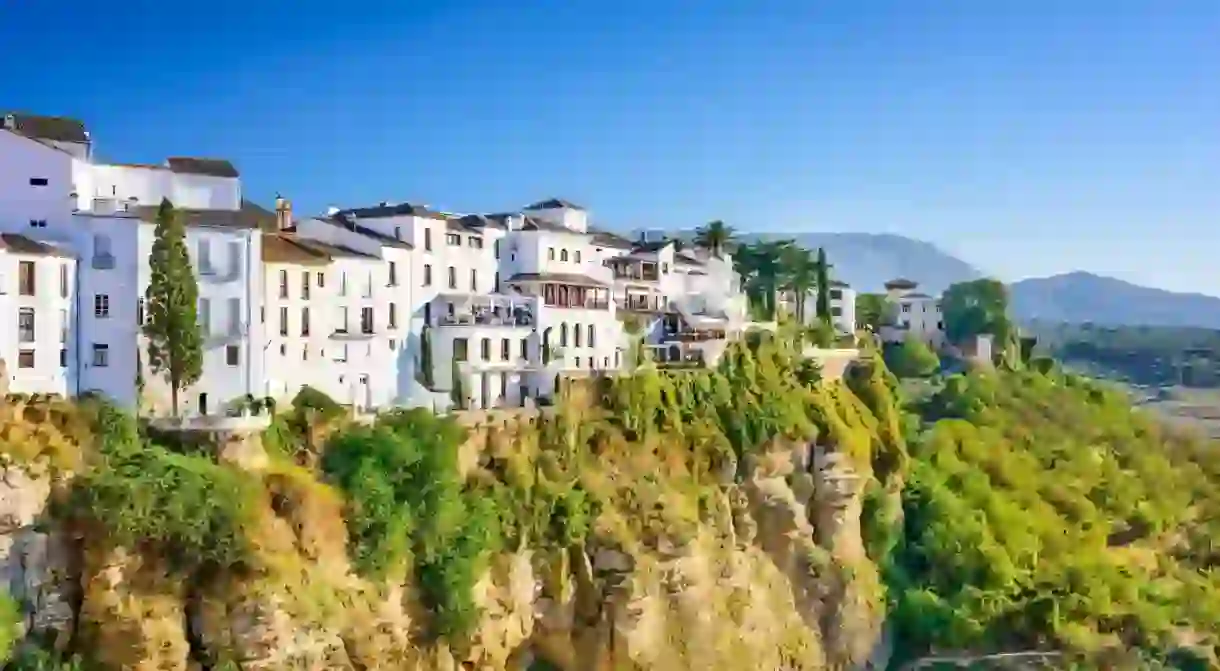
x=1027, y=136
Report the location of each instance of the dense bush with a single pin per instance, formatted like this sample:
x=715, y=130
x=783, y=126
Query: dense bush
x=188, y=510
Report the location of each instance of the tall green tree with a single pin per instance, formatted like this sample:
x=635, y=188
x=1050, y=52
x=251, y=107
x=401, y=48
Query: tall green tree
x=761, y=266
x=457, y=390
x=800, y=276
x=977, y=307
x=716, y=236
x=425, y=357
x=871, y=311
x=822, y=277
x=175, y=342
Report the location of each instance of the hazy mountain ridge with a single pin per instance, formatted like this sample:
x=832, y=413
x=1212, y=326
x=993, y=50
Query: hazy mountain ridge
x=1080, y=297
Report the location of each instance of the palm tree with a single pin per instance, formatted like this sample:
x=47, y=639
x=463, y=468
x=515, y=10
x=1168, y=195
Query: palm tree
x=800, y=277
x=761, y=268
x=716, y=236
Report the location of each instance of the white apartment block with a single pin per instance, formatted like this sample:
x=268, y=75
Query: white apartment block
x=842, y=306
x=912, y=314
x=511, y=303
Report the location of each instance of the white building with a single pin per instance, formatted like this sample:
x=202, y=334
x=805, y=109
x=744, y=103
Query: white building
x=50, y=194
x=511, y=303
x=912, y=314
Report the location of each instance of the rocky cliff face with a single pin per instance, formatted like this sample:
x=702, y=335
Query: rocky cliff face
x=766, y=570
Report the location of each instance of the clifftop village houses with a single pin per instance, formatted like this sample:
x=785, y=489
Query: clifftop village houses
x=341, y=301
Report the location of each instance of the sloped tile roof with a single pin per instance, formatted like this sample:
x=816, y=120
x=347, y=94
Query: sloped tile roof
x=553, y=204
x=213, y=167
x=250, y=216
x=53, y=128
x=382, y=210
x=19, y=244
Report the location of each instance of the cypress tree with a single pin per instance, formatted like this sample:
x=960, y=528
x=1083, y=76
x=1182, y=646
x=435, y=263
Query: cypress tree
x=455, y=388
x=175, y=343
x=823, y=281
x=425, y=357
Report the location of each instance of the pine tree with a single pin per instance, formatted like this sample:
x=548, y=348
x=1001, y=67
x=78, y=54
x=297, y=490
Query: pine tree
x=175, y=343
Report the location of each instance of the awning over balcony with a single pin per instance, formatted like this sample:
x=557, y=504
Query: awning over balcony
x=574, y=279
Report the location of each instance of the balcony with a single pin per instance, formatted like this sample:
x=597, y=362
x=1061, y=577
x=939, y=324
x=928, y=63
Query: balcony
x=576, y=304
x=673, y=356
x=642, y=303
x=486, y=310
x=629, y=271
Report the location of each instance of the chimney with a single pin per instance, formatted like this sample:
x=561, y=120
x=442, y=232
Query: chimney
x=283, y=214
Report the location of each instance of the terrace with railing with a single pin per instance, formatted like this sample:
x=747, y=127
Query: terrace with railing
x=486, y=310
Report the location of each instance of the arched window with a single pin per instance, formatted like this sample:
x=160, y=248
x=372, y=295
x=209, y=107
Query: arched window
x=563, y=334
x=546, y=347
x=577, y=334
x=592, y=343
x=563, y=255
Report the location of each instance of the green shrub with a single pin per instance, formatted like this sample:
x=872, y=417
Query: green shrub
x=309, y=398
x=10, y=625
x=407, y=502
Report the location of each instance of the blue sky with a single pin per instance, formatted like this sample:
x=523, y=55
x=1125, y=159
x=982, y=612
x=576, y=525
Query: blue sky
x=1027, y=136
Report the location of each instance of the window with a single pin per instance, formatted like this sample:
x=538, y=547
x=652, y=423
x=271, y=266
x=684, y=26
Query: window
x=25, y=325
x=428, y=239
x=453, y=240
x=664, y=267
x=459, y=349
x=343, y=284
x=591, y=331
x=234, y=315
x=577, y=334
x=321, y=280
x=427, y=274
x=563, y=335
x=283, y=321
x=140, y=312
x=101, y=355
x=605, y=362
x=63, y=281
x=485, y=349
x=25, y=278
x=305, y=285
x=63, y=357
x=366, y=320
x=836, y=294
x=496, y=281
x=506, y=349
x=563, y=255
x=38, y=223
x=906, y=307
x=368, y=285
x=550, y=254
x=341, y=325
x=205, y=257
x=38, y=181
x=304, y=321
x=452, y=277
x=474, y=280
x=393, y=316
x=398, y=233
x=577, y=362
x=283, y=349
x=576, y=256
x=63, y=326
x=283, y=284
x=495, y=248
x=205, y=315
x=940, y=326
x=393, y=274
x=234, y=259
x=477, y=243
x=25, y=358
x=525, y=348
x=342, y=355
x=305, y=353
x=393, y=344
x=836, y=311
x=232, y=355
x=101, y=306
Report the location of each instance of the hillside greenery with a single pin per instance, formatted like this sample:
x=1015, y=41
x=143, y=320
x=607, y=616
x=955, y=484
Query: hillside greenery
x=1041, y=512
x=1145, y=355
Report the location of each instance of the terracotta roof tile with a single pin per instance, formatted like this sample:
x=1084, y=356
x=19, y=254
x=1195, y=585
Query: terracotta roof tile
x=53, y=128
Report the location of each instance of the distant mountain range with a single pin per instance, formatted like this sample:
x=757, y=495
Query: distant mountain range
x=867, y=260
x=1081, y=297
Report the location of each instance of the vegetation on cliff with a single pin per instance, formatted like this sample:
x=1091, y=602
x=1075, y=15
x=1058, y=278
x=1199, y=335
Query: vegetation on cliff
x=721, y=519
